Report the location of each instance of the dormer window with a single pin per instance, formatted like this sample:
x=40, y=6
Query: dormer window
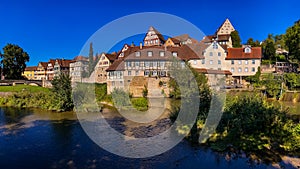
x=121, y=54
x=247, y=50
x=161, y=53
x=138, y=54
x=215, y=45
x=150, y=53
x=174, y=54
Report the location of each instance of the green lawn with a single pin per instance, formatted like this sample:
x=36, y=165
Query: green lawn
x=20, y=87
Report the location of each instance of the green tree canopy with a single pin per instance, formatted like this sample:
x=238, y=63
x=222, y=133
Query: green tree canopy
x=236, y=40
x=63, y=91
x=253, y=43
x=91, y=59
x=269, y=49
x=14, y=60
x=292, y=40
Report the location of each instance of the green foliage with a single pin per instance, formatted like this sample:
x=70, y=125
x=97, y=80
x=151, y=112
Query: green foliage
x=255, y=79
x=292, y=40
x=145, y=91
x=272, y=84
x=91, y=59
x=61, y=87
x=292, y=80
x=269, y=48
x=236, y=40
x=252, y=125
x=120, y=98
x=140, y=104
x=253, y=43
x=20, y=87
x=14, y=61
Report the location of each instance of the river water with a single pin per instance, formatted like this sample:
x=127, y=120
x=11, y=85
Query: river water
x=39, y=139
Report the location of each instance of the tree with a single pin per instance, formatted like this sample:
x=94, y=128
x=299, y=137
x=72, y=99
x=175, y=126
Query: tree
x=91, y=59
x=63, y=91
x=236, y=40
x=14, y=60
x=253, y=43
x=292, y=40
x=269, y=48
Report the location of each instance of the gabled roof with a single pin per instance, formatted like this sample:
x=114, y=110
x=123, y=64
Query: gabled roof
x=43, y=64
x=239, y=53
x=185, y=37
x=225, y=28
x=80, y=58
x=64, y=62
x=160, y=36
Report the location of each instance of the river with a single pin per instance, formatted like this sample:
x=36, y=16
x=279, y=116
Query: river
x=39, y=139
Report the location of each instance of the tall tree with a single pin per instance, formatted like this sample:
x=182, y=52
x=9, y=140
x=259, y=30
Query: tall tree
x=91, y=59
x=63, y=91
x=292, y=40
x=236, y=40
x=269, y=49
x=14, y=60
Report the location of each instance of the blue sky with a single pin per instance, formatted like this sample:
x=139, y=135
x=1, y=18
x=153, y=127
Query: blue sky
x=59, y=29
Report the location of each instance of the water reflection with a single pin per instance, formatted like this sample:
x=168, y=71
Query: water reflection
x=56, y=140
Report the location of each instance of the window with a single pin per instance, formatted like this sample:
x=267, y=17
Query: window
x=240, y=69
x=128, y=64
x=150, y=53
x=203, y=61
x=146, y=64
x=137, y=73
x=137, y=54
x=162, y=63
x=240, y=62
x=154, y=64
x=246, y=69
x=174, y=54
x=195, y=62
x=232, y=69
x=161, y=53
x=253, y=62
x=219, y=53
x=156, y=41
x=182, y=64
x=247, y=50
x=246, y=62
x=215, y=45
x=154, y=73
x=210, y=54
x=146, y=73
x=219, y=62
x=137, y=63
x=211, y=62
x=232, y=62
x=151, y=64
x=253, y=69
x=129, y=73
x=113, y=83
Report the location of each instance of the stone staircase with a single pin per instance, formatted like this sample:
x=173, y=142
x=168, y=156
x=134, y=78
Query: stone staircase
x=153, y=88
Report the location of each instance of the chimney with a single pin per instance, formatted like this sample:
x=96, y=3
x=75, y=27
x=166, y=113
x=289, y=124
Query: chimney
x=141, y=45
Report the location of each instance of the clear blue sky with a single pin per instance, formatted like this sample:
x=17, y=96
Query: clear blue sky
x=59, y=29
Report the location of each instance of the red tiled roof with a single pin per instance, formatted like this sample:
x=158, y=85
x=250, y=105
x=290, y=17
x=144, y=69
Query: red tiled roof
x=239, y=53
x=111, y=56
x=44, y=64
x=31, y=68
x=64, y=62
x=211, y=71
x=80, y=58
x=117, y=65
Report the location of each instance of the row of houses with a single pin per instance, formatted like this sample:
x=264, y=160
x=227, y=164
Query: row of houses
x=213, y=55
